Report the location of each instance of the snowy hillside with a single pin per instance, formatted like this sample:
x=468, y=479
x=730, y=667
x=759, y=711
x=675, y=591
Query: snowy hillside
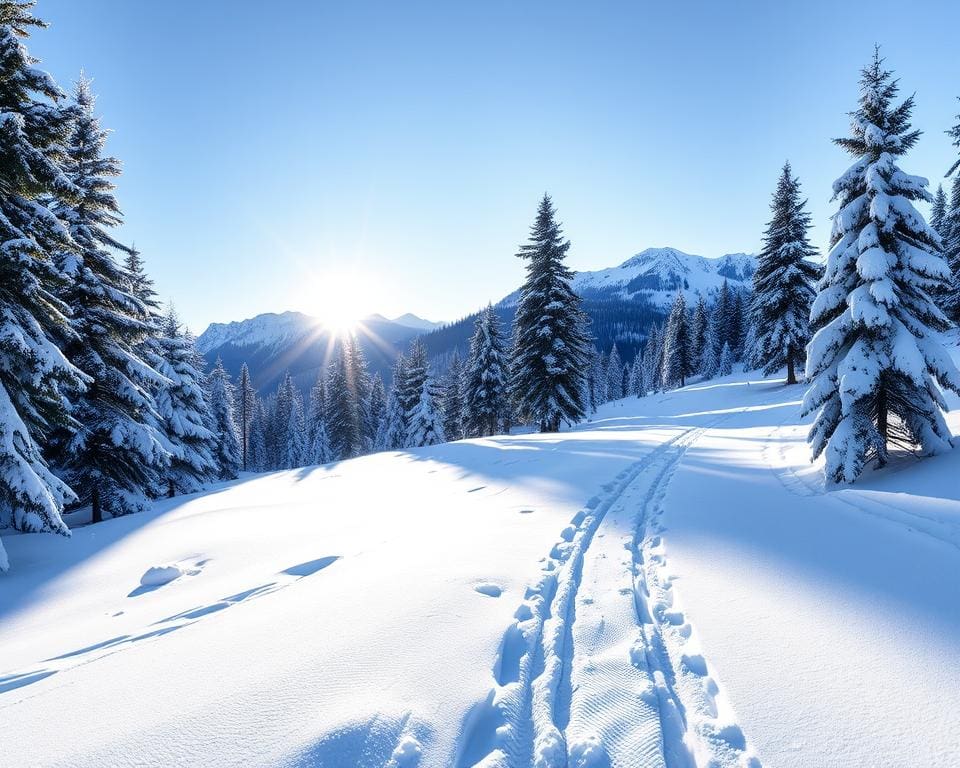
x=668, y=585
x=410, y=320
x=269, y=331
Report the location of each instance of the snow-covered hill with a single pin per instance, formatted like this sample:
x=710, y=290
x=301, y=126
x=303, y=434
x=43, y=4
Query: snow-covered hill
x=410, y=320
x=269, y=331
x=668, y=585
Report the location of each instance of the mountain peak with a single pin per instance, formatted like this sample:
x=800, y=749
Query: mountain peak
x=410, y=320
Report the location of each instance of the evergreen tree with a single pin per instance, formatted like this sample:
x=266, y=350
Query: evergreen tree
x=551, y=345
x=710, y=360
x=258, y=457
x=318, y=438
x=115, y=458
x=393, y=430
x=226, y=435
x=453, y=404
x=245, y=402
x=289, y=425
x=601, y=387
x=783, y=282
x=485, y=379
x=359, y=387
x=344, y=423
x=426, y=423
x=698, y=333
x=876, y=354
x=949, y=231
x=183, y=406
x=677, y=362
x=375, y=410
x=614, y=374
x=651, y=359
x=34, y=375
x=638, y=384
x=938, y=212
x=415, y=372
x=725, y=363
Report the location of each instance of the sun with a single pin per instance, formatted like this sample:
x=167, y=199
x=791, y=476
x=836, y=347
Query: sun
x=338, y=300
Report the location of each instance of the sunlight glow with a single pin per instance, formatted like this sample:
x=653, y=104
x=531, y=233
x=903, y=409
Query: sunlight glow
x=339, y=299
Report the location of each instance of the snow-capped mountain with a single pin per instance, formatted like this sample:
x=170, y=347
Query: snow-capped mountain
x=272, y=344
x=410, y=320
x=655, y=275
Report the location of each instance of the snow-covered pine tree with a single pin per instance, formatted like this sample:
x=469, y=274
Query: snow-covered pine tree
x=375, y=409
x=344, y=423
x=226, y=434
x=318, y=439
x=710, y=360
x=34, y=374
x=485, y=393
x=783, y=283
x=291, y=430
x=359, y=387
x=725, y=363
x=698, y=333
x=426, y=421
x=614, y=374
x=677, y=360
x=415, y=371
x=551, y=345
x=246, y=398
x=638, y=383
x=601, y=384
x=117, y=455
x=938, y=212
x=875, y=363
x=258, y=458
x=453, y=399
x=950, y=235
x=651, y=358
x=183, y=408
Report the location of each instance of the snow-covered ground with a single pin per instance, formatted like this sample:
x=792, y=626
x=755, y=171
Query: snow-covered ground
x=669, y=584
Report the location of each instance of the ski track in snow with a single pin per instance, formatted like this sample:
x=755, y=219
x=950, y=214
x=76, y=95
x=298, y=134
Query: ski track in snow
x=591, y=675
x=97, y=651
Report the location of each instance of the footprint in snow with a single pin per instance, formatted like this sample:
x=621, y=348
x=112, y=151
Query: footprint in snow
x=490, y=590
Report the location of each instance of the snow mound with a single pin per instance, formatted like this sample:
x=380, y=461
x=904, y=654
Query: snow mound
x=158, y=575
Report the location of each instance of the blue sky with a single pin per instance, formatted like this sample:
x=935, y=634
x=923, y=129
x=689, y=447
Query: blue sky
x=391, y=155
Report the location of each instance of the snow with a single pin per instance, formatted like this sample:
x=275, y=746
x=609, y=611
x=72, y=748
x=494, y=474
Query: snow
x=158, y=575
x=671, y=583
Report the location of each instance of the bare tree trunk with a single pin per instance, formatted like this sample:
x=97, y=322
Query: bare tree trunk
x=96, y=510
x=791, y=373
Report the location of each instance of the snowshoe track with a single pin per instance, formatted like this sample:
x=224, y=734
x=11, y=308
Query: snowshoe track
x=558, y=701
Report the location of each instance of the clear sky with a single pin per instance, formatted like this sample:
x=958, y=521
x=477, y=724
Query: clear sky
x=282, y=154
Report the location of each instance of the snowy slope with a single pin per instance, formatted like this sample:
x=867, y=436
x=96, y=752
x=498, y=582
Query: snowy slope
x=669, y=585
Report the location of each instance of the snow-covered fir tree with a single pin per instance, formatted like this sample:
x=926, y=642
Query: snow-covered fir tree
x=485, y=393
x=452, y=405
x=783, y=283
x=875, y=363
x=614, y=374
x=226, y=434
x=950, y=236
x=416, y=371
x=599, y=384
x=117, y=455
x=938, y=211
x=246, y=398
x=183, y=409
x=677, y=360
x=344, y=419
x=638, y=384
x=551, y=345
x=289, y=425
x=652, y=354
x=376, y=408
x=698, y=333
x=258, y=455
x=34, y=374
x=710, y=359
x=318, y=439
x=725, y=362
x=359, y=387
x=426, y=421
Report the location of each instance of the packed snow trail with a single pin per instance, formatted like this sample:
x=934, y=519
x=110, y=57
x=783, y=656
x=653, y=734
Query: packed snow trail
x=669, y=584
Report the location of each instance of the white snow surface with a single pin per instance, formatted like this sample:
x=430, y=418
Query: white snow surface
x=670, y=584
x=158, y=575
